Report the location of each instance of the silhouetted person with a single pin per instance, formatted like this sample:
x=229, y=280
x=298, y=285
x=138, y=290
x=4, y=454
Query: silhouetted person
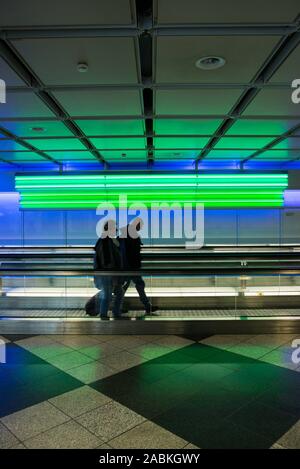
x=131, y=245
x=108, y=257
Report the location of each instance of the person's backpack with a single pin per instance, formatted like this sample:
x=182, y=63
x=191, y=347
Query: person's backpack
x=92, y=306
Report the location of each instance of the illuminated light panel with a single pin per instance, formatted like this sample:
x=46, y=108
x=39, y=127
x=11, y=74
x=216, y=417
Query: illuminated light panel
x=186, y=126
x=243, y=142
x=270, y=127
x=89, y=190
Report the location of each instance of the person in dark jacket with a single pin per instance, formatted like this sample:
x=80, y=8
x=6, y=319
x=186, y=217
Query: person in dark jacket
x=108, y=257
x=131, y=245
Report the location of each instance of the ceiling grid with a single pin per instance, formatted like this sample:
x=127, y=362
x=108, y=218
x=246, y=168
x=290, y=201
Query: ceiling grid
x=117, y=82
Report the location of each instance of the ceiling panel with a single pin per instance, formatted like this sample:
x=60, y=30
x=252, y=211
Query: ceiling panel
x=23, y=104
x=100, y=102
x=273, y=102
x=288, y=70
x=35, y=128
x=123, y=156
x=21, y=156
x=230, y=11
x=10, y=145
x=278, y=155
x=56, y=143
x=71, y=155
x=119, y=143
x=186, y=126
x=8, y=75
x=110, y=60
x=176, y=155
x=176, y=58
x=228, y=154
x=289, y=143
x=111, y=127
x=195, y=102
x=262, y=127
x=243, y=142
x=66, y=13
x=180, y=142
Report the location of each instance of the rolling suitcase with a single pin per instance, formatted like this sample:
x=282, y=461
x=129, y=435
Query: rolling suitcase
x=92, y=306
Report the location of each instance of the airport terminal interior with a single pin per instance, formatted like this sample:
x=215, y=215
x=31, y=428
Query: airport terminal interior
x=186, y=116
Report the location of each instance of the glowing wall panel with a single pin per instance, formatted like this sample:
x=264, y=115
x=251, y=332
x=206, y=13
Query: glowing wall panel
x=87, y=191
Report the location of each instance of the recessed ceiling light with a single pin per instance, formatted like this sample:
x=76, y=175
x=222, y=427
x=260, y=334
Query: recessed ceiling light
x=123, y=155
x=38, y=129
x=210, y=62
x=82, y=67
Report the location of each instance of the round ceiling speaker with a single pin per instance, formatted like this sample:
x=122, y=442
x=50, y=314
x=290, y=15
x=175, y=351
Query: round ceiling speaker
x=210, y=63
x=82, y=67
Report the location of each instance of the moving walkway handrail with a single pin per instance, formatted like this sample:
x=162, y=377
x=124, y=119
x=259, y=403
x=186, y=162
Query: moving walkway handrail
x=191, y=255
x=205, y=271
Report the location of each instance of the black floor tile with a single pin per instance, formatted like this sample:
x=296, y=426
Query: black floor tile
x=213, y=402
x=209, y=433
x=27, y=380
x=56, y=384
x=118, y=384
x=7, y=379
x=16, y=355
x=17, y=398
x=286, y=400
x=22, y=396
x=199, y=352
x=147, y=399
x=153, y=372
x=205, y=372
x=245, y=384
x=264, y=420
x=32, y=374
x=177, y=358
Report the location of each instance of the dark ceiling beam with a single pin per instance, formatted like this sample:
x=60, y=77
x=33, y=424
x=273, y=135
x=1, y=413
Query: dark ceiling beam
x=142, y=86
x=144, y=14
x=157, y=30
x=154, y=116
x=271, y=145
x=225, y=30
x=26, y=74
x=275, y=60
x=11, y=34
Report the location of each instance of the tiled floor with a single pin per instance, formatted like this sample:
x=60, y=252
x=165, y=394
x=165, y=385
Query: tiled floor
x=149, y=392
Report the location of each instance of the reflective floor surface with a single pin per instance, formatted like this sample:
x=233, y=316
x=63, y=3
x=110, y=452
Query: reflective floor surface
x=230, y=391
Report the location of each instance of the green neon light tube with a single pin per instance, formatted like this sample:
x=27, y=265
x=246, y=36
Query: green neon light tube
x=175, y=197
x=151, y=196
x=87, y=205
x=96, y=202
x=77, y=191
x=161, y=190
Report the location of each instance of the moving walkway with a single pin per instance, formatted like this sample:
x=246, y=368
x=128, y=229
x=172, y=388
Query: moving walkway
x=214, y=282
